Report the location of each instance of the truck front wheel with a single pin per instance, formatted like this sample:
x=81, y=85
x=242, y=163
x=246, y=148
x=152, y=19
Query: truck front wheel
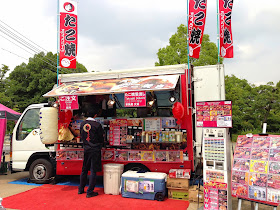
x=41, y=171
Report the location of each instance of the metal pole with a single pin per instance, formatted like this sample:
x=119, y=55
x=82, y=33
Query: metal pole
x=239, y=204
x=257, y=206
x=218, y=32
x=57, y=57
x=188, y=71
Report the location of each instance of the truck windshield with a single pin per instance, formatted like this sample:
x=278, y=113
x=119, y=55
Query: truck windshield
x=29, y=122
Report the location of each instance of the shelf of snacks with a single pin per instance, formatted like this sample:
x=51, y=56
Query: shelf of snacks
x=70, y=154
x=142, y=155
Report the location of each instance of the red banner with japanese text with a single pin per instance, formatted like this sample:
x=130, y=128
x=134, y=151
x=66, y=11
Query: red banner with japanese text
x=68, y=34
x=196, y=23
x=226, y=43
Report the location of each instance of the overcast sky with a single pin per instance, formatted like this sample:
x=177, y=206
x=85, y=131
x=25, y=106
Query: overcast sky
x=122, y=34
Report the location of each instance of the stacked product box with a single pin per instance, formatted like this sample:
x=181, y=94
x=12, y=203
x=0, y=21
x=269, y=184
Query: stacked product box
x=178, y=184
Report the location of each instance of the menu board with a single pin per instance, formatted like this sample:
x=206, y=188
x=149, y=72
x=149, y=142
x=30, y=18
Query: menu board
x=256, y=169
x=153, y=124
x=214, y=114
x=118, y=132
x=215, y=196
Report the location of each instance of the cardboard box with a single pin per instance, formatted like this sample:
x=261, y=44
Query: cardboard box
x=179, y=173
x=177, y=183
x=193, y=194
x=178, y=194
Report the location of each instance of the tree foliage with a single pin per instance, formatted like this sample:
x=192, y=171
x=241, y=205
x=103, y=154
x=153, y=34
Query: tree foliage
x=28, y=82
x=253, y=105
x=176, y=51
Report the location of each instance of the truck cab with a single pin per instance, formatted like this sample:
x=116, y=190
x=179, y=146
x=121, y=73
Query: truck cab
x=28, y=152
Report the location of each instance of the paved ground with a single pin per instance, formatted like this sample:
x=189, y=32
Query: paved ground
x=7, y=190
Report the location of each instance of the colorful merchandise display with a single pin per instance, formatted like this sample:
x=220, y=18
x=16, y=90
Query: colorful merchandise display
x=256, y=169
x=215, y=196
x=214, y=114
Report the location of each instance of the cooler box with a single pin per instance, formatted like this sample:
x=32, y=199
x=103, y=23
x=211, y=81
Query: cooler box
x=112, y=178
x=149, y=185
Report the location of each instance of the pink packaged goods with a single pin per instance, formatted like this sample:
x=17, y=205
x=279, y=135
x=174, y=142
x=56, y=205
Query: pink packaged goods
x=259, y=154
x=274, y=155
x=261, y=141
x=273, y=181
x=241, y=165
x=243, y=141
x=274, y=167
x=240, y=177
x=134, y=156
x=257, y=179
x=243, y=153
x=275, y=142
x=108, y=154
x=239, y=190
x=179, y=173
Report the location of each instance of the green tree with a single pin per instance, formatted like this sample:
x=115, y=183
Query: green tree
x=267, y=106
x=176, y=51
x=253, y=105
x=4, y=97
x=28, y=82
x=242, y=95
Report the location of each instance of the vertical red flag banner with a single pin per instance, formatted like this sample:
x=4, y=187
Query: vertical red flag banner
x=196, y=23
x=68, y=33
x=226, y=43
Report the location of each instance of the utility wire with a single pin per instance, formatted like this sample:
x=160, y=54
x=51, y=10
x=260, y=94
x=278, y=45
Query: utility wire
x=20, y=40
x=23, y=36
x=14, y=53
x=28, y=59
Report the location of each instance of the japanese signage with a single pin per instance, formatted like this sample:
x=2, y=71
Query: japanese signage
x=68, y=102
x=214, y=114
x=215, y=196
x=196, y=23
x=118, y=132
x=165, y=82
x=68, y=33
x=135, y=99
x=256, y=169
x=226, y=43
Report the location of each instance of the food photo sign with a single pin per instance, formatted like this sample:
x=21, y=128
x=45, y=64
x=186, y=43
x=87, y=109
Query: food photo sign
x=256, y=169
x=214, y=114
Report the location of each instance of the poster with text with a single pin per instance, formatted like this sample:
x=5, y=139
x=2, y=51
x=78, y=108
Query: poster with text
x=256, y=168
x=214, y=114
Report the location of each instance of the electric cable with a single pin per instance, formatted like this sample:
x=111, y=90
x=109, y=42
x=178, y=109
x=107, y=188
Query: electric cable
x=20, y=40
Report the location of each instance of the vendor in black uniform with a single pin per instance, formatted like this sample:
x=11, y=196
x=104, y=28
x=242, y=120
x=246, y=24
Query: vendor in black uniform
x=92, y=135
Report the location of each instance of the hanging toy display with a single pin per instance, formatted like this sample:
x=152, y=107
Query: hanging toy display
x=178, y=112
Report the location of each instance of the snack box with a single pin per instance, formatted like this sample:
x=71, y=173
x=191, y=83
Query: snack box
x=149, y=185
x=193, y=194
x=178, y=194
x=179, y=173
x=177, y=183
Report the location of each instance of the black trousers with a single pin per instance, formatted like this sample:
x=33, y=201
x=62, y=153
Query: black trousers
x=89, y=164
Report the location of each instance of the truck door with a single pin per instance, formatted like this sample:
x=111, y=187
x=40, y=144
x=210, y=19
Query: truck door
x=26, y=138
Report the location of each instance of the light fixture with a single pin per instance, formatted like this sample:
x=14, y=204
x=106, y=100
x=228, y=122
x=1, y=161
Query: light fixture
x=172, y=99
x=111, y=101
x=150, y=103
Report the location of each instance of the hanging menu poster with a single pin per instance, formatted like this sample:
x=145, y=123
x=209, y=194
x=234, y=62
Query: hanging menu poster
x=118, y=132
x=215, y=196
x=214, y=114
x=256, y=168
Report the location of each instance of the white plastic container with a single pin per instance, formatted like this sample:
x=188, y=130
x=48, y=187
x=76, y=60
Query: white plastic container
x=112, y=178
